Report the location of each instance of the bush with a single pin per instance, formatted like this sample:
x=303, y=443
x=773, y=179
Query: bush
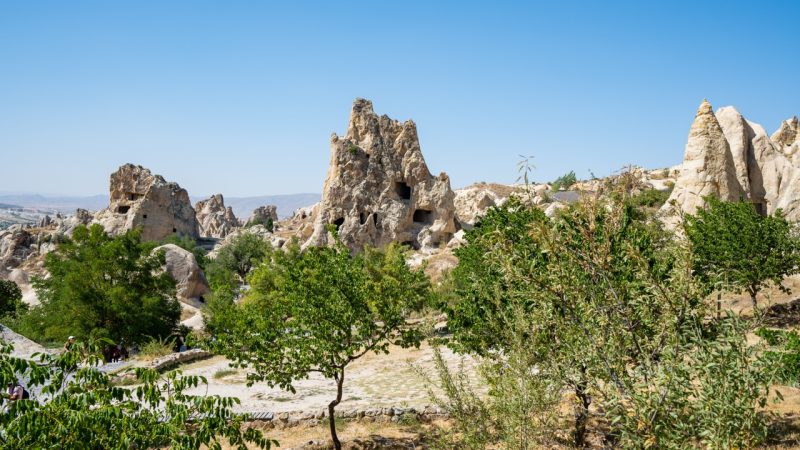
x=564, y=181
x=11, y=304
x=156, y=348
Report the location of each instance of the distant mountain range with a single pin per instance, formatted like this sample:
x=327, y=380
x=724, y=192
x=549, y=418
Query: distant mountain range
x=242, y=206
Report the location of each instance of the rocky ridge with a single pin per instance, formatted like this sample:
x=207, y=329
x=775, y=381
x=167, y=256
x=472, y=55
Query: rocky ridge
x=214, y=219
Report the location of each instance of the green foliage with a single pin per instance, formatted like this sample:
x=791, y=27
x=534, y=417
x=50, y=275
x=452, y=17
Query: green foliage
x=736, y=248
x=188, y=244
x=352, y=148
x=564, y=181
x=11, y=304
x=103, y=287
x=267, y=222
x=73, y=405
x=783, y=355
x=601, y=304
x=318, y=311
x=650, y=198
x=227, y=272
x=156, y=348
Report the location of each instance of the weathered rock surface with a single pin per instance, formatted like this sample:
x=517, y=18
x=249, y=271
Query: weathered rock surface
x=15, y=246
x=744, y=162
x=140, y=199
x=214, y=219
x=263, y=214
x=182, y=266
x=708, y=165
x=379, y=190
x=472, y=201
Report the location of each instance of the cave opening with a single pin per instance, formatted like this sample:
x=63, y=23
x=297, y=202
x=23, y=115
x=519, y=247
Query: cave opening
x=402, y=190
x=422, y=216
x=123, y=209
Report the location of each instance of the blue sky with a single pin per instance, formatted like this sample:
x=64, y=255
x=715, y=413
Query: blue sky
x=241, y=97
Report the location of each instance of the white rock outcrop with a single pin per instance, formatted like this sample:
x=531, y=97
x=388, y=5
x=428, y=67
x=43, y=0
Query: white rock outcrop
x=732, y=158
x=140, y=199
x=379, y=190
x=263, y=214
x=183, y=268
x=214, y=219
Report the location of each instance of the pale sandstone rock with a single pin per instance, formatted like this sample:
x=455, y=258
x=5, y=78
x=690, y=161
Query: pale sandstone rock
x=262, y=213
x=708, y=167
x=379, y=190
x=214, y=219
x=140, y=199
x=183, y=268
x=15, y=246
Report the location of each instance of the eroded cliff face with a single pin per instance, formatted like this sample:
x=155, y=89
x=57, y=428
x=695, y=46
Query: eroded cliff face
x=140, y=199
x=732, y=158
x=379, y=190
x=214, y=219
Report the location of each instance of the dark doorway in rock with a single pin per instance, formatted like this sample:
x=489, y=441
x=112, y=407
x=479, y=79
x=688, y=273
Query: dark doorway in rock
x=760, y=207
x=123, y=209
x=410, y=244
x=144, y=216
x=422, y=216
x=338, y=222
x=375, y=219
x=362, y=218
x=403, y=190
x=174, y=230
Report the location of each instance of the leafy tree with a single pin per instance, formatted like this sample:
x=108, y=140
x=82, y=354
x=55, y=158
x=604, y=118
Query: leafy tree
x=318, y=311
x=11, y=303
x=738, y=248
x=605, y=306
x=74, y=405
x=267, y=222
x=228, y=270
x=103, y=286
x=564, y=181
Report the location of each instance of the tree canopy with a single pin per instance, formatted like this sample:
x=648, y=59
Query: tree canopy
x=319, y=310
x=10, y=299
x=104, y=287
x=736, y=248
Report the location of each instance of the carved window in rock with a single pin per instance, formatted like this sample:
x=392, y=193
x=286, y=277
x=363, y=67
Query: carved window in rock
x=338, y=222
x=362, y=217
x=375, y=219
x=123, y=209
x=403, y=190
x=423, y=216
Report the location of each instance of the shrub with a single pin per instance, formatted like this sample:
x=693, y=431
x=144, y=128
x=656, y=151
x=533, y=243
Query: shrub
x=564, y=181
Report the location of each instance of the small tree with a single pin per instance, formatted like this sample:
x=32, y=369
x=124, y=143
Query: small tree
x=318, y=311
x=74, y=405
x=565, y=181
x=736, y=247
x=10, y=299
x=103, y=286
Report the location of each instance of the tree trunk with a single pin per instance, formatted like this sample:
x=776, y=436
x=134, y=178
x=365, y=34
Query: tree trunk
x=332, y=406
x=581, y=413
x=753, y=293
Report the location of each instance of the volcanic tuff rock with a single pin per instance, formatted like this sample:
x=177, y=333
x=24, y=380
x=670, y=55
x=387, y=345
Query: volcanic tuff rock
x=262, y=214
x=183, y=268
x=141, y=199
x=732, y=158
x=15, y=246
x=378, y=188
x=214, y=219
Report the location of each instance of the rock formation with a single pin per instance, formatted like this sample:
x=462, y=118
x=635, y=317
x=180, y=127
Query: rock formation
x=263, y=214
x=378, y=188
x=214, y=219
x=15, y=246
x=183, y=268
x=140, y=199
x=732, y=158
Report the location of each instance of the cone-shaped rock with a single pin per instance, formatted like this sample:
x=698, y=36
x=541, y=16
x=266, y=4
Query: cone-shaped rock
x=215, y=220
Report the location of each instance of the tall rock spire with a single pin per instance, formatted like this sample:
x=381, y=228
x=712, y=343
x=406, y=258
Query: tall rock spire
x=708, y=166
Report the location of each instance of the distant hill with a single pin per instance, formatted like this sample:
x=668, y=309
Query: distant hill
x=287, y=204
x=65, y=205
x=242, y=206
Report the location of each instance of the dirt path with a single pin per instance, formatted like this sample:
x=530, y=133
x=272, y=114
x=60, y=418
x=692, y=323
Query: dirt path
x=373, y=381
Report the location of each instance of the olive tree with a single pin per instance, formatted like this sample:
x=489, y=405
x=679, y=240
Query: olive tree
x=317, y=311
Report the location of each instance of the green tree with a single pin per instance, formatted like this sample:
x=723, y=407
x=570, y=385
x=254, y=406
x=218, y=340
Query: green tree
x=74, y=405
x=318, y=311
x=188, y=244
x=11, y=303
x=606, y=307
x=103, y=286
x=564, y=181
x=738, y=248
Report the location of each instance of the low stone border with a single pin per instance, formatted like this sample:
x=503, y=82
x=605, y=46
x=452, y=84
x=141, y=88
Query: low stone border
x=314, y=418
x=165, y=362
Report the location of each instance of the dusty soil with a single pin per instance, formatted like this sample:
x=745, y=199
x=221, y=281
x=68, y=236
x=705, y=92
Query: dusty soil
x=370, y=382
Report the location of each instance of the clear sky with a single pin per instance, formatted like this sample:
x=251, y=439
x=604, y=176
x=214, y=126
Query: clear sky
x=241, y=97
